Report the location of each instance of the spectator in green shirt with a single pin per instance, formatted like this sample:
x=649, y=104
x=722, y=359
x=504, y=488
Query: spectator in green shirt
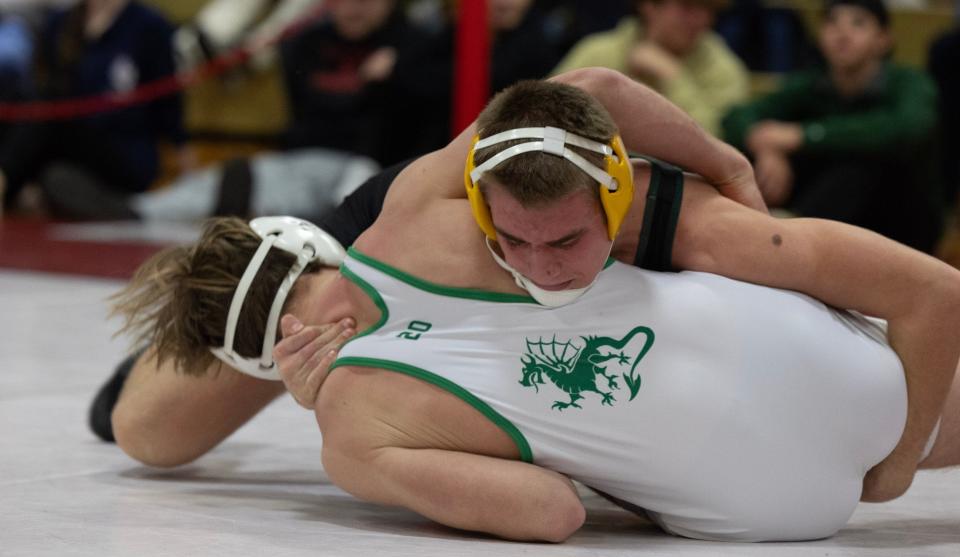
x=852, y=140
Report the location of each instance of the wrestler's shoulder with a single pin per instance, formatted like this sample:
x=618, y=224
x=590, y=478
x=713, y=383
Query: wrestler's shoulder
x=434, y=176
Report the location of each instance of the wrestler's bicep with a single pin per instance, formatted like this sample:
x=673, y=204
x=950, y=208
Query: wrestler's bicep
x=167, y=417
x=717, y=235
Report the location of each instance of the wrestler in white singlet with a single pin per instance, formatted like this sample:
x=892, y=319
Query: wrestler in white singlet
x=728, y=411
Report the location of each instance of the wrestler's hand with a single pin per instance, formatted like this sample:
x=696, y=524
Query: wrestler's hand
x=305, y=354
x=889, y=479
x=742, y=188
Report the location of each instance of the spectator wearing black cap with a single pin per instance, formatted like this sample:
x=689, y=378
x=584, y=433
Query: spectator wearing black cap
x=851, y=140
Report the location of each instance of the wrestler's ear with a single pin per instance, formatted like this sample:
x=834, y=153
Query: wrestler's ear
x=290, y=325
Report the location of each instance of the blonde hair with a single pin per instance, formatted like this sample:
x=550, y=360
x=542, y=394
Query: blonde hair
x=538, y=178
x=178, y=300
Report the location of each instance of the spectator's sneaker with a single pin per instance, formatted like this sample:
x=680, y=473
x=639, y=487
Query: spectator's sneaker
x=107, y=396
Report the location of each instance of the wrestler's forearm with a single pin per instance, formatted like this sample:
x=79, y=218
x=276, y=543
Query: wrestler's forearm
x=507, y=498
x=919, y=297
x=845, y=267
x=929, y=372
x=651, y=125
x=164, y=418
x=926, y=341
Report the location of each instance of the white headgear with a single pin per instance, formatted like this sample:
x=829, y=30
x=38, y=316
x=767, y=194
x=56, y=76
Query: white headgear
x=299, y=237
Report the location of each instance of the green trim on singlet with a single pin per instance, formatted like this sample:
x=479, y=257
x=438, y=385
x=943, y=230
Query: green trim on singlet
x=608, y=262
x=526, y=453
x=433, y=288
x=374, y=295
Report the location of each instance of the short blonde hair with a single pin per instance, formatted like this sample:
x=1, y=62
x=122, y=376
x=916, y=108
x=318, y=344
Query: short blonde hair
x=539, y=178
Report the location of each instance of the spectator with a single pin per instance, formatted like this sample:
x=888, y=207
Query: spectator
x=520, y=48
x=341, y=79
x=226, y=24
x=571, y=20
x=669, y=46
x=305, y=183
x=97, y=47
x=16, y=53
x=944, y=63
x=851, y=141
x=769, y=39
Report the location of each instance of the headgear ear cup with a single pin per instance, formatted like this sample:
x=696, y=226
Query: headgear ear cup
x=616, y=194
x=616, y=203
x=478, y=206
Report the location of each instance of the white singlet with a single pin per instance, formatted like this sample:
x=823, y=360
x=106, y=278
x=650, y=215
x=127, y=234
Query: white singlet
x=726, y=410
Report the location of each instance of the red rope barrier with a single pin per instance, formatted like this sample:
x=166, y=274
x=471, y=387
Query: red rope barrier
x=471, y=85
x=98, y=104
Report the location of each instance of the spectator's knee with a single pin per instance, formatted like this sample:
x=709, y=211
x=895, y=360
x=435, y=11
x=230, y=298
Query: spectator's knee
x=58, y=182
x=57, y=175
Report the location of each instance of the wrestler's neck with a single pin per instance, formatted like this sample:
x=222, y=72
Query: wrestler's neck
x=455, y=255
x=327, y=297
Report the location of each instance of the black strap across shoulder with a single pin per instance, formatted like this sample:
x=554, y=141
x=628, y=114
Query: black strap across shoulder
x=660, y=216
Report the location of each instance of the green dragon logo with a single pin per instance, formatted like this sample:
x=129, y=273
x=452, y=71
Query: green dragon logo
x=576, y=370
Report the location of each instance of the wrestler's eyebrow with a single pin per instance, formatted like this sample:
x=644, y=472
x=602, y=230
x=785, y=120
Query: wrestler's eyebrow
x=569, y=238
x=509, y=237
x=553, y=243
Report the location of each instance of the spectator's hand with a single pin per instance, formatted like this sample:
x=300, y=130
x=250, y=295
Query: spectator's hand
x=652, y=64
x=305, y=354
x=186, y=159
x=768, y=135
x=774, y=177
x=379, y=65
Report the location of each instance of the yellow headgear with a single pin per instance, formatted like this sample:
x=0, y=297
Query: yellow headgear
x=616, y=183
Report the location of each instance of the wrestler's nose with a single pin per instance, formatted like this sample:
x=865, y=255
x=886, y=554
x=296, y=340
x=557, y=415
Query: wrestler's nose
x=545, y=266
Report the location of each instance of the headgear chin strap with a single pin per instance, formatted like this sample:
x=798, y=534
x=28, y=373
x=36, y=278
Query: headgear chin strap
x=299, y=237
x=616, y=183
